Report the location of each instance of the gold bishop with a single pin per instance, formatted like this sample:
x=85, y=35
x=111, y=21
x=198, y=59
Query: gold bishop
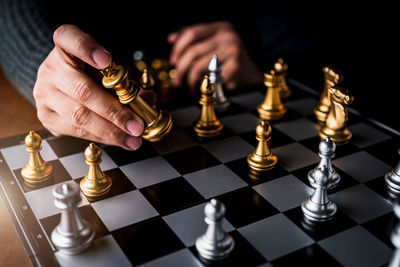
x=36, y=169
x=95, y=183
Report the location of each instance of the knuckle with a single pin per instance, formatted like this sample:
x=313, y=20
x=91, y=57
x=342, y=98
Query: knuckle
x=41, y=114
x=59, y=32
x=82, y=90
x=80, y=132
x=115, y=113
x=80, y=115
x=80, y=43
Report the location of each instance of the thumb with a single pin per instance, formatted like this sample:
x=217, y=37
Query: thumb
x=81, y=45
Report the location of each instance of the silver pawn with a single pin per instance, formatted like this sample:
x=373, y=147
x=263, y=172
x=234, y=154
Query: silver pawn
x=216, y=79
x=215, y=244
x=318, y=207
x=73, y=234
x=327, y=149
x=395, y=237
x=392, y=179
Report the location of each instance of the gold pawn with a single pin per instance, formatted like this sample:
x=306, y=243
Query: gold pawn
x=95, y=183
x=147, y=80
x=331, y=78
x=336, y=122
x=208, y=124
x=271, y=108
x=158, y=122
x=262, y=158
x=281, y=70
x=36, y=169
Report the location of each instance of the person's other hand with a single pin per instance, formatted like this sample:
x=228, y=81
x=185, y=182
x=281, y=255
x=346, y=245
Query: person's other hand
x=194, y=46
x=69, y=102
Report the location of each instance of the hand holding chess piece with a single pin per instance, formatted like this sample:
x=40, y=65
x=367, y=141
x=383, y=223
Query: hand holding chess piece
x=36, y=169
x=158, y=122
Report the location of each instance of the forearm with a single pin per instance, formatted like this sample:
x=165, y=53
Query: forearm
x=26, y=40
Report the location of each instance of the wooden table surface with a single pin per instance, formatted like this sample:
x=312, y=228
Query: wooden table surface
x=17, y=116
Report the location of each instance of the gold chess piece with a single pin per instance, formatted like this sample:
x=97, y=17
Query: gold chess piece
x=95, y=183
x=336, y=123
x=208, y=124
x=271, y=108
x=331, y=78
x=281, y=70
x=159, y=122
x=36, y=169
x=262, y=158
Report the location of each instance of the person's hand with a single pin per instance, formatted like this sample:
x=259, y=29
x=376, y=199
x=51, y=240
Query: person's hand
x=194, y=46
x=69, y=102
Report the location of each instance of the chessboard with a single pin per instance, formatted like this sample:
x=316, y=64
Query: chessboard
x=155, y=209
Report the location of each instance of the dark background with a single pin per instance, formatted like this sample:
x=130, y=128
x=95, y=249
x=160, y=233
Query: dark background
x=358, y=39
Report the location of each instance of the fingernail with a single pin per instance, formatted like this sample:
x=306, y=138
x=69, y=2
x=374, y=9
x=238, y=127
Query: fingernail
x=135, y=127
x=133, y=143
x=102, y=57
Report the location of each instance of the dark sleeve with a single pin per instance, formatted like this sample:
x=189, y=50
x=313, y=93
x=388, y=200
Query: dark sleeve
x=26, y=40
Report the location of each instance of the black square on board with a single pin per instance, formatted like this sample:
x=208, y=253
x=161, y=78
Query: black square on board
x=382, y=227
x=59, y=175
x=233, y=109
x=319, y=231
x=243, y=254
x=87, y=213
x=387, y=151
x=379, y=186
x=191, y=159
x=120, y=184
x=147, y=240
x=312, y=255
x=245, y=206
x=122, y=157
x=67, y=145
x=241, y=168
x=172, y=195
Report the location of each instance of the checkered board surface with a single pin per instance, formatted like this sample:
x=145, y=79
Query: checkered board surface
x=154, y=212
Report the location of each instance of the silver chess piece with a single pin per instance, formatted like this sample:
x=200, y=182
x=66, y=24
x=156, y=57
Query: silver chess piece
x=392, y=179
x=215, y=244
x=216, y=79
x=318, y=207
x=73, y=234
x=327, y=149
x=395, y=237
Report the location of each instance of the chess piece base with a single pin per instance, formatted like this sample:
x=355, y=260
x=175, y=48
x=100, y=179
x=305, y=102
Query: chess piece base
x=261, y=163
x=318, y=213
x=92, y=188
x=210, y=251
x=268, y=113
x=73, y=244
x=392, y=180
x=334, y=180
x=210, y=130
x=340, y=137
x=159, y=128
x=37, y=175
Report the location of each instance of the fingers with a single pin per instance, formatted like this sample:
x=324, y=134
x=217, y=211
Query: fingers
x=191, y=54
x=192, y=34
x=74, y=42
x=87, y=93
x=197, y=71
